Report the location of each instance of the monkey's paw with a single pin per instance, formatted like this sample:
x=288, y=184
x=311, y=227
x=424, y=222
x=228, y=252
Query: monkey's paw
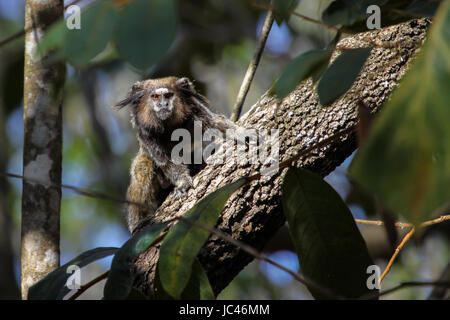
x=182, y=187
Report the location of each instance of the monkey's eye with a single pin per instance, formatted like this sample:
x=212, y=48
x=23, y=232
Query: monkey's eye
x=168, y=95
x=155, y=96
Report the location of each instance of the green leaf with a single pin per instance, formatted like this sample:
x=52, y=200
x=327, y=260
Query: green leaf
x=198, y=287
x=330, y=248
x=301, y=68
x=53, y=38
x=53, y=286
x=347, y=12
x=184, y=241
x=405, y=161
x=118, y=286
x=146, y=31
x=283, y=10
x=341, y=74
x=97, y=25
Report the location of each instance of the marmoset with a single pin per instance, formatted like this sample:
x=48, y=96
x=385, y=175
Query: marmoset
x=158, y=107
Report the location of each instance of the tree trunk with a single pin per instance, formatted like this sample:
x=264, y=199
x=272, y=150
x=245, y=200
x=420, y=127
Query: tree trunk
x=43, y=92
x=254, y=213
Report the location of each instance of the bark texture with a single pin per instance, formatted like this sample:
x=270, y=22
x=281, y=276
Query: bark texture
x=43, y=92
x=254, y=213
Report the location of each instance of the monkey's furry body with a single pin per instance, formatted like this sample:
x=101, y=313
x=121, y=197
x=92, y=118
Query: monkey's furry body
x=158, y=107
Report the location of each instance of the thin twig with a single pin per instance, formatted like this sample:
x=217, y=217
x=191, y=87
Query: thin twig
x=22, y=32
x=403, y=225
x=435, y=221
x=445, y=284
x=408, y=236
x=396, y=252
x=245, y=86
x=80, y=191
x=12, y=38
x=406, y=284
x=86, y=286
x=326, y=25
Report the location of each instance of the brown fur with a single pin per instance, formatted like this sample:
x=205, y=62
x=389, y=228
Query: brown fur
x=147, y=186
x=147, y=116
x=154, y=135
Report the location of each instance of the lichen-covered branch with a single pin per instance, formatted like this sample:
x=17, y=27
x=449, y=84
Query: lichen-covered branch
x=43, y=93
x=254, y=213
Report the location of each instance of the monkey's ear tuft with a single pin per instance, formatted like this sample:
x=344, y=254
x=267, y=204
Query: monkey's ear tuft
x=134, y=95
x=185, y=84
x=186, y=87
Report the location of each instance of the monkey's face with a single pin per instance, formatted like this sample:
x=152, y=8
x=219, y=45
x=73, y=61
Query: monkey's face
x=162, y=102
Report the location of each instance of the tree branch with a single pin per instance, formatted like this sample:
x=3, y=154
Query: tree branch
x=396, y=252
x=245, y=86
x=253, y=214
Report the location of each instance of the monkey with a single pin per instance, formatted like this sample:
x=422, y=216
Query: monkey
x=159, y=107
x=148, y=186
